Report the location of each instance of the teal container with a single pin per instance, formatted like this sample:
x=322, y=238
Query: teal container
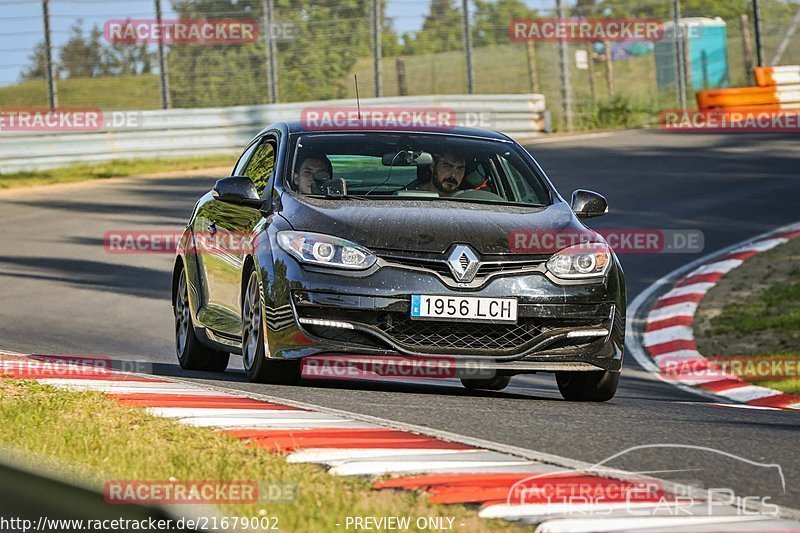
x=707, y=57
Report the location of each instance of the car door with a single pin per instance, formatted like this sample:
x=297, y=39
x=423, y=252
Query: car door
x=227, y=231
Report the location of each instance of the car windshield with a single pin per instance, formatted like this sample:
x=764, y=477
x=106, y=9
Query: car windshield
x=380, y=165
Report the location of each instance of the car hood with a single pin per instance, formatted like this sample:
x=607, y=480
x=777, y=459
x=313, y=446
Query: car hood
x=432, y=225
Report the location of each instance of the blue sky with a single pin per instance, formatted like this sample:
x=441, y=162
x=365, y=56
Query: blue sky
x=21, y=22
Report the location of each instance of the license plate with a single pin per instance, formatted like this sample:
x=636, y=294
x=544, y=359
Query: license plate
x=463, y=308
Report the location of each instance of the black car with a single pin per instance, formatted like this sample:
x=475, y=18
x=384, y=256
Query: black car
x=425, y=243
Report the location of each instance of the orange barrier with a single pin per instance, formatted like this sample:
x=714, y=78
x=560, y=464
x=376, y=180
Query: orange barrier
x=783, y=75
x=777, y=88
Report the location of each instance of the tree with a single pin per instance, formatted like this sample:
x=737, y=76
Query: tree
x=38, y=60
x=327, y=40
x=441, y=31
x=493, y=17
x=82, y=55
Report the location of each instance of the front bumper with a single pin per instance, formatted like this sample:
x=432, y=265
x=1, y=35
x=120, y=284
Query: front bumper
x=560, y=327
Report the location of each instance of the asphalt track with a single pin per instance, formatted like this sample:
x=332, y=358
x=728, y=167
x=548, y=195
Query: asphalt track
x=63, y=293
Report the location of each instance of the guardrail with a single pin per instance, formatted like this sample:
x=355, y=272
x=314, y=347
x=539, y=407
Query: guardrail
x=191, y=132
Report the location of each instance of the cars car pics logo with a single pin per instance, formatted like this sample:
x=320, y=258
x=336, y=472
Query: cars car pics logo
x=173, y=491
x=153, y=31
x=586, y=30
x=600, y=489
x=377, y=118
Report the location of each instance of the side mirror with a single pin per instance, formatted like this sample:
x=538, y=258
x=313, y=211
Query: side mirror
x=238, y=190
x=588, y=204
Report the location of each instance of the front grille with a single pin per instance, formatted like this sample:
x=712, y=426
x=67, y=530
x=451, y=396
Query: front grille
x=441, y=267
x=391, y=329
x=441, y=335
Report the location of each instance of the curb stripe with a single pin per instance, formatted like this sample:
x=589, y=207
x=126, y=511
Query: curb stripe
x=668, y=335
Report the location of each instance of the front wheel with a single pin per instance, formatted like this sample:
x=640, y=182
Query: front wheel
x=588, y=386
x=192, y=354
x=258, y=368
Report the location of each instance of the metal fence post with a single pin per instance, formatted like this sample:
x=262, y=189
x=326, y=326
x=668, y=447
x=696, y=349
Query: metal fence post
x=680, y=68
x=162, y=63
x=759, y=43
x=272, y=59
x=52, y=96
x=468, y=48
x=566, y=88
x=377, y=51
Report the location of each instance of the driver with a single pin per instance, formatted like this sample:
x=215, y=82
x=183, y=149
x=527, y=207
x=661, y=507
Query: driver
x=447, y=173
x=303, y=176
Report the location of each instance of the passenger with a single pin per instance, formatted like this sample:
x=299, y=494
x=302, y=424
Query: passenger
x=303, y=176
x=447, y=173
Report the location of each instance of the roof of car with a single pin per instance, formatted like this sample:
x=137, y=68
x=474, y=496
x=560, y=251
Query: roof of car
x=298, y=127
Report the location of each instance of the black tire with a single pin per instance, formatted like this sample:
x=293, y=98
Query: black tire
x=587, y=386
x=258, y=367
x=495, y=383
x=192, y=354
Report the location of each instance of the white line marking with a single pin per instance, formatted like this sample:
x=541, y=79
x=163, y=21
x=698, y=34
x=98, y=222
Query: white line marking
x=322, y=421
x=746, y=393
x=695, y=288
x=323, y=455
x=530, y=510
x=672, y=311
x=379, y=468
x=720, y=267
x=602, y=525
x=191, y=412
x=662, y=336
x=760, y=246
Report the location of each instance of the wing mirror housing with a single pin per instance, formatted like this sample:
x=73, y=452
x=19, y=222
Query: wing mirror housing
x=588, y=204
x=239, y=190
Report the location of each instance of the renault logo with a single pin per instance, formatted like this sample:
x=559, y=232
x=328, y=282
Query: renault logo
x=463, y=263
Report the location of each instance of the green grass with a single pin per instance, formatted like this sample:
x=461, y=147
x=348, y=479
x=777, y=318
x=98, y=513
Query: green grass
x=120, y=92
x=774, y=311
x=127, y=444
x=113, y=169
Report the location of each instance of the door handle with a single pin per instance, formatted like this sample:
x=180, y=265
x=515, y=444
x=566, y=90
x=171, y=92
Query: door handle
x=212, y=228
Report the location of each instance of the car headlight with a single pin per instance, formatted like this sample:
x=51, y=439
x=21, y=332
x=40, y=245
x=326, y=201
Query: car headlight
x=587, y=260
x=325, y=250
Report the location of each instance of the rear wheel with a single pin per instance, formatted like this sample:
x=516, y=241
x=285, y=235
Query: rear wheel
x=588, y=386
x=495, y=383
x=258, y=367
x=192, y=354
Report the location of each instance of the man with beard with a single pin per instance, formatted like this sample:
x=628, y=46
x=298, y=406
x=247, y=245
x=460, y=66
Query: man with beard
x=447, y=172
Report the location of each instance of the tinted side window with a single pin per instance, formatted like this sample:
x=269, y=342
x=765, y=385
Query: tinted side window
x=261, y=165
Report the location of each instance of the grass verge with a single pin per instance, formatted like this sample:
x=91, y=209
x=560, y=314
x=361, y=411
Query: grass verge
x=126, y=443
x=754, y=313
x=112, y=169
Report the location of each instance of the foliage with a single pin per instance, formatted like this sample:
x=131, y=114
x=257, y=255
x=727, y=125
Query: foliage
x=441, y=31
